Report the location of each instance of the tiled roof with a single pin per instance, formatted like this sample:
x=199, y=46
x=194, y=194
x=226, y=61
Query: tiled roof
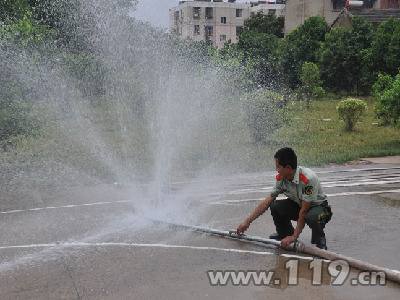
x=371, y=15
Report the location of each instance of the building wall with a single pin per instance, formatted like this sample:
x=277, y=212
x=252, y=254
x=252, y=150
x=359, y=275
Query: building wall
x=390, y=4
x=277, y=9
x=297, y=11
x=183, y=19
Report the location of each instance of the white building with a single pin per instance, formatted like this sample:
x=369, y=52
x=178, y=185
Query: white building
x=217, y=22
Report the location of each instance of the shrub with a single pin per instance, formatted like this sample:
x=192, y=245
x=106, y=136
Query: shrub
x=350, y=110
x=264, y=113
x=17, y=116
x=387, y=91
x=18, y=119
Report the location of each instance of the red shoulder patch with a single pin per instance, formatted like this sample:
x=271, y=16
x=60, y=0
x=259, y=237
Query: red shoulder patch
x=303, y=178
x=278, y=177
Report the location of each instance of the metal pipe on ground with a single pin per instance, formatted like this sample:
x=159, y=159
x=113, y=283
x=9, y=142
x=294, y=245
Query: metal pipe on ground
x=297, y=246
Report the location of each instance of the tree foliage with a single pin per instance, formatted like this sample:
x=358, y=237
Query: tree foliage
x=13, y=10
x=349, y=59
x=387, y=91
x=300, y=46
x=340, y=59
x=384, y=54
x=265, y=23
x=259, y=50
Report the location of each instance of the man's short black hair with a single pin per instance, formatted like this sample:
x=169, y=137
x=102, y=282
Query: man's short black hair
x=286, y=156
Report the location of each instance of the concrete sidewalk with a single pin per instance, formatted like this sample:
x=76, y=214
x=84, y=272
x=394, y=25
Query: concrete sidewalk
x=383, y=160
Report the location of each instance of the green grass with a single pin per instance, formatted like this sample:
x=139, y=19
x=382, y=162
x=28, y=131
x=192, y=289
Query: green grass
x=319, y=142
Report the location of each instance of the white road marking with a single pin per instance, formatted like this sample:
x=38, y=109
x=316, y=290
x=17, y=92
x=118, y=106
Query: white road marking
x=222, y=202
x=63, y=206
x=328, y=184
x=371, y=182
x=364, y=193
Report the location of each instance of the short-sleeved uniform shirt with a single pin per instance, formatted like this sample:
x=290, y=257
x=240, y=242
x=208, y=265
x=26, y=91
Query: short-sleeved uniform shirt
x=305, y=186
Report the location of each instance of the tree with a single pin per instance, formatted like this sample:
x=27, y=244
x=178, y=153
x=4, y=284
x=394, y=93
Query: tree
x=300, y=46
x=339, y=58
x=259, y=50
x=331, y=60
x=310, y=82
x=350, y=110
x=384, y=54
x=387, y=91
x=263, y=23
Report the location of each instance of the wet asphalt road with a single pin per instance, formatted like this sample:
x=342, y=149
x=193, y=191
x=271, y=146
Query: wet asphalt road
x=98, y=242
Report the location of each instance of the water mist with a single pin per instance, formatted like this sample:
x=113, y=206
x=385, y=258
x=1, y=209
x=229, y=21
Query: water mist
x=161, y=118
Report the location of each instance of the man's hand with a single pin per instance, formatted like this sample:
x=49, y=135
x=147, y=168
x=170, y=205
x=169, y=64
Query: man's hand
x=287, y=240
x=242, y=227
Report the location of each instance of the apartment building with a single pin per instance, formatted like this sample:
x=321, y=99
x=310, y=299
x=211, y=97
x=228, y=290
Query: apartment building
x=217, y=21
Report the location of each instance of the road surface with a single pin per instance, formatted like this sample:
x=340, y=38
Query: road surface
x=98, y=242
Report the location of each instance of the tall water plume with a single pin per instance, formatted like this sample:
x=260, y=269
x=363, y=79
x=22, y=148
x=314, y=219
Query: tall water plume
x=159, y=112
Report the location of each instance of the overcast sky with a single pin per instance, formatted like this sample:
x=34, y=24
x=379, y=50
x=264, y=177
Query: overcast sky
x=157, y=11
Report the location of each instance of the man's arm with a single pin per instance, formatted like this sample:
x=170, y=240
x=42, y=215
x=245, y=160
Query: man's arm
x=301, y=221
x=260, y=209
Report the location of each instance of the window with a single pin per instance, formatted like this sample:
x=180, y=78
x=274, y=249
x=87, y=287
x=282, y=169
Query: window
x=239, y=13
x=239, y=30
x=196, y=12
x=222, y=37
x=208, y=30
x=196, y=29
x=223, y=20
x=338, y=4
x=176, y=17
x=394, y=4
x=209, y=12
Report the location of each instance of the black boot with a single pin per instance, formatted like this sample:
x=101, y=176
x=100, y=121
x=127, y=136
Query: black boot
x=276, y=236
x=314, y=236
x=320, y=241
x=282, y=233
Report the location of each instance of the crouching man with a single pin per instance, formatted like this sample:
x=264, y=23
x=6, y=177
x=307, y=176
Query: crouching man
x=306, y=202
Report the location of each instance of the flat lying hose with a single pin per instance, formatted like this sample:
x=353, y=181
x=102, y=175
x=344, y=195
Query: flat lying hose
x=296, y=246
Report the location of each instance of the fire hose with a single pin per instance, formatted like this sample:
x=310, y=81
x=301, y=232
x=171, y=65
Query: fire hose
x=296, y=246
